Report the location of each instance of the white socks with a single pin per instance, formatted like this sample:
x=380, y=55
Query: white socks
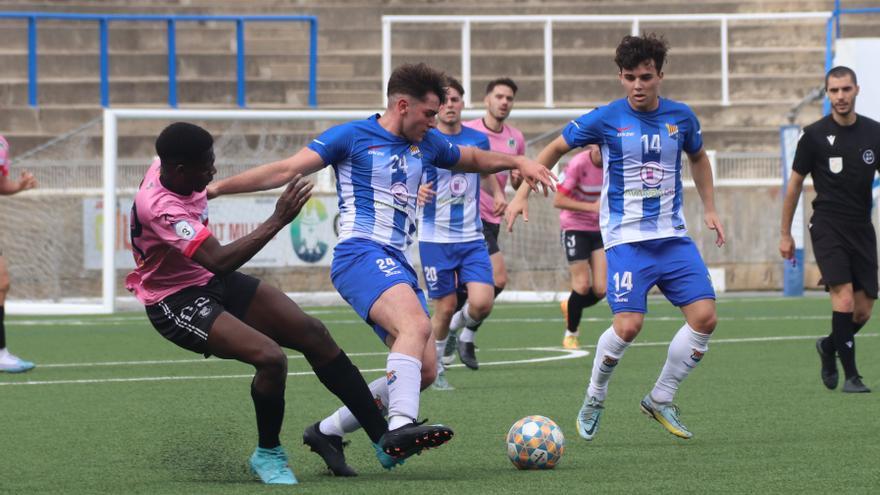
x=404, y=375
x=462, y=318
x=343, y=421
x=441, y=348
x=609, y=350
x=685, y=352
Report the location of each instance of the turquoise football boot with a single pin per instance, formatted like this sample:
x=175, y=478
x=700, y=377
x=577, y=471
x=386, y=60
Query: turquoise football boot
x=588, y=418
x=271, y=466
x=666, y=415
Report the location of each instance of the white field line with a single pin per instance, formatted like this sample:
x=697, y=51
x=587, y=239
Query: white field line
x=352, y=321
x=566, y=354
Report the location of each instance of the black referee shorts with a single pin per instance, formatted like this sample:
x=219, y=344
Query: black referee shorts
x=846, y=252
x=186, y=317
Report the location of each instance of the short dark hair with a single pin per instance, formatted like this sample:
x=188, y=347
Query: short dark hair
x=503, y=81
x=841, y=71
x=183, y=143
x=453, y=83
x=417, y=80
x=633, y=50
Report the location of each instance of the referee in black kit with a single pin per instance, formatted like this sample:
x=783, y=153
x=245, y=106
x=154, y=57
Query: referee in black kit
x=842, y=151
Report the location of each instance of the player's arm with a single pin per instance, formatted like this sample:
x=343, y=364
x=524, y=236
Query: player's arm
x=565, y=202
x=222, y=259
x=701, y=171
x=499, y=199
x=9, y=186
x=270, y=175
x=548, y=158
x=789, y=204
x=481, y=161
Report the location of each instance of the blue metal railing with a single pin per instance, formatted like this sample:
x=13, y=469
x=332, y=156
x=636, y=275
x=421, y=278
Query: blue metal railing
x=832, y=32
x=103, y=21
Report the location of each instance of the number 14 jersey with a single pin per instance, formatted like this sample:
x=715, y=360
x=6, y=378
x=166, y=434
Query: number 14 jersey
x=642, y=192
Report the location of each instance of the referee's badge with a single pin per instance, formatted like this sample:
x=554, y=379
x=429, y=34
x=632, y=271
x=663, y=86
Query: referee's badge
x=835, y=164
x=868, y=157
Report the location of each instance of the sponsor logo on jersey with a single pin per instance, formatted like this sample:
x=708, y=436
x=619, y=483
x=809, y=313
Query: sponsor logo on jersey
x=651, y=174
x=648, y=193
x=184, y=230
x=400, y=192
x=458, y=185
x=681, y=227
x=829, y=137
x=672, y=130
x=375, y=150
x=835, y=164
x=868, y=157
x=625, y=132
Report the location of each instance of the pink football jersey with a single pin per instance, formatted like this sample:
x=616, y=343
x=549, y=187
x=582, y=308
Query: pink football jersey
x=4, y=157
x=166, y=229
x=581, y=180
x=509, y=141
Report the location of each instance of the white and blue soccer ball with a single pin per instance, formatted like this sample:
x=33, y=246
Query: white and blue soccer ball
x=535, y=442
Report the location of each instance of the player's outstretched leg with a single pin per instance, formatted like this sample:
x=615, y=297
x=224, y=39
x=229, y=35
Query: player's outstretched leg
x=828, y=372
x=609, y=351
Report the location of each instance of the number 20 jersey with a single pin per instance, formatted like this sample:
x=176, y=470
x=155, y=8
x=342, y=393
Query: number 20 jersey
x=377, y=178
x=642, y=192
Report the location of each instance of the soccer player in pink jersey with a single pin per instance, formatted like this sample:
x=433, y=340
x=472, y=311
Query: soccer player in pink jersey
x=503, y=138
x=10, y=363
x=195, y=297
x=578, y=198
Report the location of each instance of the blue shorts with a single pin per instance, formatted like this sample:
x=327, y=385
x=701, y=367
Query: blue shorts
x=673, y=264
x=448, y=265
x=362, y=270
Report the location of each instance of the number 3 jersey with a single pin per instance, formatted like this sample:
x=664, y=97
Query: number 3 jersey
x=166, y=229
x=377, y=178
x=453, y=214
x=642, y=193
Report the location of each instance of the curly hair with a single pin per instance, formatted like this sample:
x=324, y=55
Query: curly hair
x=417, y=80
x=633, y=50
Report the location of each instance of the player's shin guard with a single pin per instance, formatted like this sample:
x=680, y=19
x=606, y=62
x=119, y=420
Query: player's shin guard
x=404, y=376
x=685, y=352
x=609, y=350
x=343, y=421
x=342, y=377
x=270, y=415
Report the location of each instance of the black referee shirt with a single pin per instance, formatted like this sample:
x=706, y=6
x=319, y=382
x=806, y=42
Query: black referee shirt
x=842, y=161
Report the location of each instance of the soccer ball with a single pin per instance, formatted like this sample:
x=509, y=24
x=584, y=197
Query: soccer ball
x=535, y=442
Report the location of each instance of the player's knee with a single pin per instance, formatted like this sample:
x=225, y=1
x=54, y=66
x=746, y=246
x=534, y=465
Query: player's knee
x=420, y=329
x=705, y=323
x=599, y=291
x=479, y=310
x=627, y=330
x=270, y=359
x=580, y=286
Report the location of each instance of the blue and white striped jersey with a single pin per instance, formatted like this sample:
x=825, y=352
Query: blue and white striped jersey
x=641, y=151
x=377, y=178
x=454, y=213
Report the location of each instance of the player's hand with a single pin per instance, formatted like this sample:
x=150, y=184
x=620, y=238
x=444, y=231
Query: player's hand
x=712, y=221
x=294, y=197
x=499, y=203
x=786, y=247
x=27, y=181
x=425, y=194
x=535, y=173
x=515, y=178
x=515, y=208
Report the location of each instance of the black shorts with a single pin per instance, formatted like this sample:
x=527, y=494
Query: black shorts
x=186, y=317
x=490, y=233
x=580, y=244
x=846, y=252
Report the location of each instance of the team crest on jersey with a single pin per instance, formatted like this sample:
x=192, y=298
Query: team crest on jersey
x=458, y=185
x=672, y=129
x=835, y=164
x=868, y=157
x=651, y=174
x=400, y=192
x=511, y=143
x=415, y=151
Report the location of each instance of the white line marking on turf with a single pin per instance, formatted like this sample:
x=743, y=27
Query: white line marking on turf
x=567, y=354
